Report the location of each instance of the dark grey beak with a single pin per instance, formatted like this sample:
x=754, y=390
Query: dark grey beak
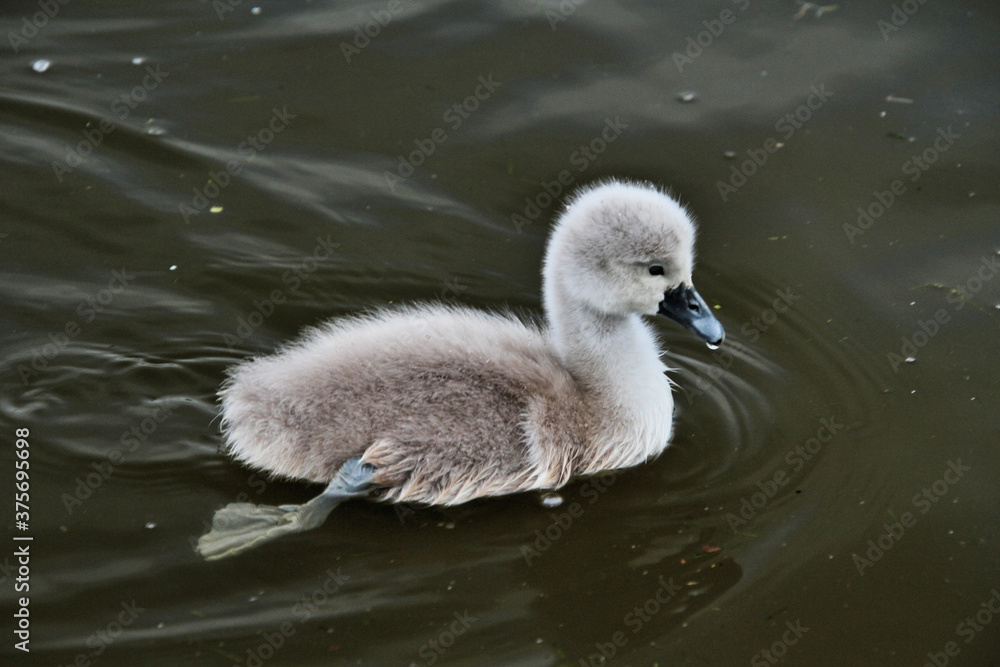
x=685, y=306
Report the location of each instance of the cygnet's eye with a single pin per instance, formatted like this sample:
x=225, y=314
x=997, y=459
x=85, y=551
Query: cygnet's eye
x=656, y=270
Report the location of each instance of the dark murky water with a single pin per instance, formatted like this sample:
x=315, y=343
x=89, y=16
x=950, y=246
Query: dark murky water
x=196, y=182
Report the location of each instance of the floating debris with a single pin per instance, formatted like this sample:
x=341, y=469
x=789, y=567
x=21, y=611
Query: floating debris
x=551, y=499
x=805, y=7
x=898, y=100
x=41, y=65
x=256, y=11
x=686, y=96
x=215, y=209
x=900, y=137
x=729, y=155
x=139, y=60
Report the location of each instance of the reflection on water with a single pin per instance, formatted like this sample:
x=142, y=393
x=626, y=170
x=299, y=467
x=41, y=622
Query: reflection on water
x=194, y=184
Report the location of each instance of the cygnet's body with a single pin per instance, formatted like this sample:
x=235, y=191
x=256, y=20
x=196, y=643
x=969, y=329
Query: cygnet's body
x=440, y=405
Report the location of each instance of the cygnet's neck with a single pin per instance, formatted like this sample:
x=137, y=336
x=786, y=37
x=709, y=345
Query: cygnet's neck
x=615, y=358
x=599, y=349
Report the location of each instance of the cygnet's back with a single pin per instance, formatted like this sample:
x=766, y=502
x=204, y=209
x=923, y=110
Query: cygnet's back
x=436, y=398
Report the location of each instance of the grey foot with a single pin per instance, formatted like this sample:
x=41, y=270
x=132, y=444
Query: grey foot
x=354, y=478
x=239, y=527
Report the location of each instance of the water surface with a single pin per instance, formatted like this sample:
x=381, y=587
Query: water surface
x=189, y=183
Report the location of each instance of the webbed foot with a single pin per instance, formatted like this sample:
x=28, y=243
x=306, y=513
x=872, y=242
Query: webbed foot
x=239, y=527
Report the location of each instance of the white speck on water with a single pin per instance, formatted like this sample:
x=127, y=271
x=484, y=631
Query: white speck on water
x=551, y=499
x=41, y=65
x=686, y=96
x=729, y=155
x=910, y=360
x=173, y=267
x=138, y=60
x=215, y=209
x=256, y=11
x=156, y=131
x=150, y=525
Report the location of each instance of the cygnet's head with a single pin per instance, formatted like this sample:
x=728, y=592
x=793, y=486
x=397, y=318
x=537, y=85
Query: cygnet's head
x=623, y=248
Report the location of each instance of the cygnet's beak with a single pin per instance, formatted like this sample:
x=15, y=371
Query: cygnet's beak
x=685, y=306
